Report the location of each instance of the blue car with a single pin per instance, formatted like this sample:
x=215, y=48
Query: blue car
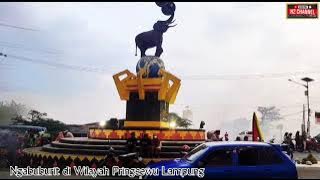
x=239, y=159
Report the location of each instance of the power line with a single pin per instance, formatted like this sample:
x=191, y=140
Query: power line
x=18, y=46
x=17, y=27
x=192, y=77
x=57, y=65
x=292, y=106
x=247, y=76
x=292, y=114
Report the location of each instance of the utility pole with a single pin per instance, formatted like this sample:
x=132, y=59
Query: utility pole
x=303, y=125
x=306, y=79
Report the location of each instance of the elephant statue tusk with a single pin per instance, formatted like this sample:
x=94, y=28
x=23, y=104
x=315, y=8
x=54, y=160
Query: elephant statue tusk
x=172, y=25
x=172, y=21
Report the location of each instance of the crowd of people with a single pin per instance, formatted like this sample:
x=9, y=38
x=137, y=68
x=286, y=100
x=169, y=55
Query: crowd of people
x=298, y=142
x=12, y=144
x=64, y=134
x=147, y=147
x=215, y=136
x=36, y=139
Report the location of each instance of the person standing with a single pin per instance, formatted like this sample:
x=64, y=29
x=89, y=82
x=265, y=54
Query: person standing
x=68, y=134
x=226, y=136
x=216, y=136
x=156, y=146
x=304, y=140
x=132, y=143
x=145, y=146
x=60, y=136
x=285, y=138
x=209, y=136
x=26, y=139
x=298, y=140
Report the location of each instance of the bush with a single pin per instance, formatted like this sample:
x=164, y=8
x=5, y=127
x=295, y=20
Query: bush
x=310, y=158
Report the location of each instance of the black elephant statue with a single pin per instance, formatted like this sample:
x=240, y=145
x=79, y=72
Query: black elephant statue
x=154, y=37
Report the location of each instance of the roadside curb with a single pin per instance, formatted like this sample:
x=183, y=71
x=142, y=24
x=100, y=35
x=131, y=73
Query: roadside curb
x=309, y=167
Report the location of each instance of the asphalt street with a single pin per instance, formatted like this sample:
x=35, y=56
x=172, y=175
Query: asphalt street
x=304, y=171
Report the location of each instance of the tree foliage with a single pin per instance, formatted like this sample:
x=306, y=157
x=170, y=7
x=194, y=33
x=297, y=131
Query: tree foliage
x=270, y=113
x=37, y=118
x=16, y=113
x=53, y=126
x=35, y=115
x=10, y=110
x=180, y=122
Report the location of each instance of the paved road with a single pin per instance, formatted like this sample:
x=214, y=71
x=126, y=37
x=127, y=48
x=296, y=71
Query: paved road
x=6, y=175
x=304, y=171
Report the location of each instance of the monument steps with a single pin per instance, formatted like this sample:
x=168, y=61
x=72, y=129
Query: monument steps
x=85, y=140
x=52, y=149
x=87, y=146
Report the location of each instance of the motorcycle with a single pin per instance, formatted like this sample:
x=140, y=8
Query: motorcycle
x=313, y=145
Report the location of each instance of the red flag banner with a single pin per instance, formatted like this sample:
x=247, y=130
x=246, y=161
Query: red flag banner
x=256, y=131
x=317, y=117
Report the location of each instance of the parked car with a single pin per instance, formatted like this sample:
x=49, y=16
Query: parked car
x=244, y=134
x=239, y=159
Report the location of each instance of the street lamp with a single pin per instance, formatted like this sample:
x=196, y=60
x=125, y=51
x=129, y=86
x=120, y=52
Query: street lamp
x=172, y=124
x=102, y=124
x=306, y=79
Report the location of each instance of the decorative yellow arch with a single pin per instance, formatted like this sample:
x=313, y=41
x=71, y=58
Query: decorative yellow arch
x=167, y=86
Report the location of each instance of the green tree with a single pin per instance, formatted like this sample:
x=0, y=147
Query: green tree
x=36, y=115
x=180, y=122
x=37, y=118
x=11, y=110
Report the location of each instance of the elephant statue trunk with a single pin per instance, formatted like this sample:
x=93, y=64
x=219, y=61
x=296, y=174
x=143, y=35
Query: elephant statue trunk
x=154, y=37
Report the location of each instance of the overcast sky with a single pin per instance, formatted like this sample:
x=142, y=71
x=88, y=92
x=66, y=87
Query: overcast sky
x=225, y=53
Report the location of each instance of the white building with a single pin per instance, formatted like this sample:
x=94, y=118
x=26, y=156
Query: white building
x=187, y=113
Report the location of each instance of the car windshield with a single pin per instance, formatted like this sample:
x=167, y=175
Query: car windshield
x=196, y=152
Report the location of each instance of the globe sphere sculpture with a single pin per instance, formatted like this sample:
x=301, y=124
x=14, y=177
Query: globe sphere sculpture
x=152, y=66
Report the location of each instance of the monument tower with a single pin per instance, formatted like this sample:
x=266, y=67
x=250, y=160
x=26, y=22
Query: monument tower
x=149, y=92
